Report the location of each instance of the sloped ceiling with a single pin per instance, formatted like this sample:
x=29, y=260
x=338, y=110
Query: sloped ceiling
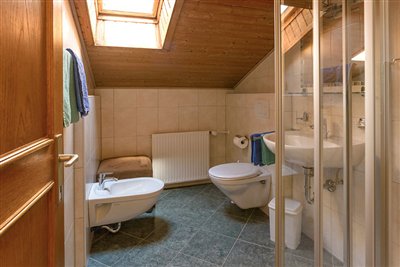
x=215, y=44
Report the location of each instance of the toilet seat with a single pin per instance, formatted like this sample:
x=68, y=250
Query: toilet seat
x=236, y=172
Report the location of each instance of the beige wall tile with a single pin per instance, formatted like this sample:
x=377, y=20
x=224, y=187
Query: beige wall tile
x=69, y=202
x=125, y=98
x=260, y=79
x=216, y=161
x=217, y=146
x=106, y=96
x=207, y=118
x=221, y=97
x=221, y=119
x=69, y=249
x=188, y=97
x=79, y=143
x=79, y=192
x=80, y=243
x=207, y=97
x=236, y=100
x=143, y=145
x=168, y=119
x=168, y=97
x=107, y=121
x=147, y=121
x=125, y=146
x=147, y=98
x=125, y=122
x=107, y=148
x=188, y=118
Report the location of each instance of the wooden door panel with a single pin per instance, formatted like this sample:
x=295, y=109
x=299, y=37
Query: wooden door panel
x=27, y=237
x=22, y=180
x=23, y=101
x=31, y=214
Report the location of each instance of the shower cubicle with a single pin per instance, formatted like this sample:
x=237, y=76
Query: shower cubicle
x=335, y=80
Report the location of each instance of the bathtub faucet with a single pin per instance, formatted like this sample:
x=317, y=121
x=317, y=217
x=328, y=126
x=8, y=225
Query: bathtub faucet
x=103, y=179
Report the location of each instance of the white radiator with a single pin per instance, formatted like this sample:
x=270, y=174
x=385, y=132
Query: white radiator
x=181, y=157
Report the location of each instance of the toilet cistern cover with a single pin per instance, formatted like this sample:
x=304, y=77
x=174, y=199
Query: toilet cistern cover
x=235, y=171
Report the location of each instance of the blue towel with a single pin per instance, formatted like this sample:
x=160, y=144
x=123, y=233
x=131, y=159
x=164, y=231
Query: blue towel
x=258, y=149
x=81, y=91
x=334, y=74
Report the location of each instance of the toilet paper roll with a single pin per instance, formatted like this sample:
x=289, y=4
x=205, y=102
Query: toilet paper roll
x=241, y=142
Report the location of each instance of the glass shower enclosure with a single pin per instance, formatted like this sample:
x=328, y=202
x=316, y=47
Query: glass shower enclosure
x=322, y=127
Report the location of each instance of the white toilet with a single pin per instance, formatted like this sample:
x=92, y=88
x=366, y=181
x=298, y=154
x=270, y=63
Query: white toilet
x=248, y=186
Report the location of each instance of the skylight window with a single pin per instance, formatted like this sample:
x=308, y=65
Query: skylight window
x=134, y=23
x=130, y=8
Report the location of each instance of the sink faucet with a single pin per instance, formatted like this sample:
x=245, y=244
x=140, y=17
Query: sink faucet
x=304, y=117
x=103, y=179
x=325, y=131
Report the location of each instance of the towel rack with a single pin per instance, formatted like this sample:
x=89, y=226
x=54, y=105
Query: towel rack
x=215, y=133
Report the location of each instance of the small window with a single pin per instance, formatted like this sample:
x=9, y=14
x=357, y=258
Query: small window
x=129, y=8
x=133, y=23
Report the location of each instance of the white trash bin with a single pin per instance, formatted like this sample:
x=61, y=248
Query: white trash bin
x=293, y=210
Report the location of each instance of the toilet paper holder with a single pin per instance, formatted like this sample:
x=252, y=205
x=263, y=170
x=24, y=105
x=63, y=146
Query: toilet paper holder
x=241, y=142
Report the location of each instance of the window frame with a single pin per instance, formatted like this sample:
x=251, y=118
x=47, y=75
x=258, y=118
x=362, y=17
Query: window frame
x=126, y=14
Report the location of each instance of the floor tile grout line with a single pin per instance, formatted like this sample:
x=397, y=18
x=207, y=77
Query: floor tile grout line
x=215, y=211
x=131, y=235
x=252, y=243
x=99, y=261
x=130, y=250
x=180, y=251
x=229, y=253
x=198, y=230
x=198, y=258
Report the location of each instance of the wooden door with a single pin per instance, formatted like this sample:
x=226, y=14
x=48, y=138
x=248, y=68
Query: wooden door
x=31, y=215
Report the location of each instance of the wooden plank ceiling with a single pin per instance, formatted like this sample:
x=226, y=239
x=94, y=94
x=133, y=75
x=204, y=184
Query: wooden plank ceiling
x=216, y=43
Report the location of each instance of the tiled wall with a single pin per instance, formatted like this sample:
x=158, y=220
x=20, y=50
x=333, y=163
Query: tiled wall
x=131, y=116
x=87, y=144
x=247, y=114
x=260, y=79
x=71, y=40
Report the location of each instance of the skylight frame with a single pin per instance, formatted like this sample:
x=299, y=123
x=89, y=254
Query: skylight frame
x=127, y=14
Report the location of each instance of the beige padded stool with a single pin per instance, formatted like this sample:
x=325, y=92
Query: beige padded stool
x=127, y=167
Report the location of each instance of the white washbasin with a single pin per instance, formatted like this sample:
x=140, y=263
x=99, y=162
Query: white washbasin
x=122, y=200
x=299, y=149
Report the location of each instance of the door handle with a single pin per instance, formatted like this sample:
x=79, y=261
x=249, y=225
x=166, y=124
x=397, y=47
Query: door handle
x=68, y=159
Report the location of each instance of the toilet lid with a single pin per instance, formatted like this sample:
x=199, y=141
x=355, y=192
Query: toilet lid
x=235, y=171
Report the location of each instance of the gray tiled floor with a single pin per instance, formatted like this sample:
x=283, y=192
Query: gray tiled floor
x=196, y=226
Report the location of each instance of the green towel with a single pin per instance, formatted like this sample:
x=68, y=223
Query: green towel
x=267, y=157
x=70, y=110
